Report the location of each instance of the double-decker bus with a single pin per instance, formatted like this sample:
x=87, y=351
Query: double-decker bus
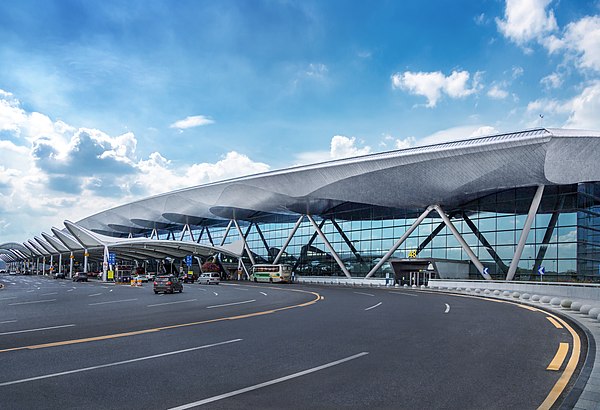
x=272, y=273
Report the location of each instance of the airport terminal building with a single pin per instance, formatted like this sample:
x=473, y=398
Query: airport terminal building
x=520, y=206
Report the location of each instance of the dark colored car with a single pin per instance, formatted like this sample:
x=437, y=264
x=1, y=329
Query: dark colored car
x=167, y=284
x=59, y=275
x=80, y=277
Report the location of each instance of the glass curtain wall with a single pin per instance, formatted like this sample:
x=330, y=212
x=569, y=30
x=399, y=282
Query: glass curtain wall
x=564, y=238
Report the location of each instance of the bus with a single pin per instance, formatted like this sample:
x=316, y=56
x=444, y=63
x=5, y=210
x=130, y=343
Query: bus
x=272, y=273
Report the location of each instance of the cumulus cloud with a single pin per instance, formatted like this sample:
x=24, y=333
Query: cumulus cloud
x=457, y=134
x=580, y=112
x=551, y=81
x=191, y=122
x=497, y=93
x=432, y=85
x=343, y=147
x=47, y=166
x=580, y=42
x=526, y=20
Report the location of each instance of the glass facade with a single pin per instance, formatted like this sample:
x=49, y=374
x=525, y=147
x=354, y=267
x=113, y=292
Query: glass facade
x=564, y=238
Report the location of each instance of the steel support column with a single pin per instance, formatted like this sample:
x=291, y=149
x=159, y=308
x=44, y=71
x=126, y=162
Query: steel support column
x=485, y=243
x=328, y=245
x=237, y=226
x=60, y=262
x=71, y=265
x=288, y=240
x=85, y=260
x=227, y=232
x=535, y=204
x=308, y=245
x=105, y=264
x=347, y=240
x=262, y=238
x=462, y=242
x=399, y=242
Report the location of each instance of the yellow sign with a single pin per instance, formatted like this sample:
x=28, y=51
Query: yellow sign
x=72, y=257
x=412, y=254
x=86, y=254
x=111, y=274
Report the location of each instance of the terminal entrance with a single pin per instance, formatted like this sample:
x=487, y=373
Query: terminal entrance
x=413, y=271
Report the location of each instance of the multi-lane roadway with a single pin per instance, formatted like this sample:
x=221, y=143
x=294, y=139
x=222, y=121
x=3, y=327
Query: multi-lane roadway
x=240, y=345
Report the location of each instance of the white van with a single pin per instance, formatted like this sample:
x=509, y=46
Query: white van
x=209, y=277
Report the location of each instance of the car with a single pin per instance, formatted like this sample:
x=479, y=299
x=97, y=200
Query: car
x=12, y=272
x=80, y=277
x=187, y=277
x=2, y=270
x=167, y=284
x=142, y=278
x=59, y=275
x=209, y=277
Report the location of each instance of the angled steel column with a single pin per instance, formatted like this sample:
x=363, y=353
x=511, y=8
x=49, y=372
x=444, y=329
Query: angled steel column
x=59, y=262
x=105, y=264
x=462, y=242
x=51, y=264
x=400, y=241
x=485, y=244
x=154, y=234
x=44, y=265
x=288, y=240
x=546, y=240
x=227, y=232
x=309, y=244
x=347, y=240
x=535, y=204
x=237, y=226
x=262, y=238
x=210, y=239
x=328, y=245
x=200, y=235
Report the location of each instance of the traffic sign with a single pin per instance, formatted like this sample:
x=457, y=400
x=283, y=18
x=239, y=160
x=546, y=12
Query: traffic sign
x=485, y=271
x=112, y=258
x=188, y=260
x=541, y=270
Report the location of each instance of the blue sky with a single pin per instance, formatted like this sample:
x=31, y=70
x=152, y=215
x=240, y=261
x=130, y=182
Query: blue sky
x=103, y=102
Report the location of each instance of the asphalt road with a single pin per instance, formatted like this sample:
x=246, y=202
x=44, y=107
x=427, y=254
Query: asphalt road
x=93, y=345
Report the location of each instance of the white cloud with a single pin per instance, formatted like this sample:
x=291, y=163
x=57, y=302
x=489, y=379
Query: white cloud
x=551, y=81
x=316, y=70
x=497, y=93
x=581, y=41
x=50, y=171
x=343, y=147
x=192, y=121
x=405, y=143
x=457, y=134
x=580, y=112
x=432, y=85
x=526, y=20
x=517, y=72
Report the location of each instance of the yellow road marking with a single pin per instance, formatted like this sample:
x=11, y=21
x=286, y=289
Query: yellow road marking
x=560, y=385
x=158, y=329
x=559, y=357
x=562, y=382
x=529, y=308
x=554, y=322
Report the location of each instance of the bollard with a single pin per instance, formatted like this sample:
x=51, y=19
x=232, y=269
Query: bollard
x=594, y=312
x=555, y=301
x=535, y=298
x=585, y=309
x=497, y=292
x=565, y=303
x=525, y=296
x=576, y=306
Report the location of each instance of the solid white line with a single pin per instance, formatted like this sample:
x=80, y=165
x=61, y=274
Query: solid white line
x=231, y=304
x=85, y=369
x=95, y=294
x=374, y=306
x=447, y=308
x=70, y=290
x=264, y=293
x=362, y=293
x=268, y=383
x=11, y=297
x=401, y=293
x=35, y=301
x=35, y=330
x=238, y=288
x=32, y=290
x=8, y=321
x=172, y=303
x=112, y=301
x=48, y=294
